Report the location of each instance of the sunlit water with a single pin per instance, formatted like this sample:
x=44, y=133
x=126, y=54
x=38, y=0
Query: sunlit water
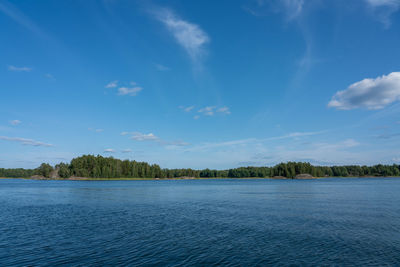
x=200, y=222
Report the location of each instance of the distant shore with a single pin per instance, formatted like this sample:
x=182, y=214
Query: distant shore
x=186, y=178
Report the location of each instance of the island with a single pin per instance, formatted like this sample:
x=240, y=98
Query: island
x=90, y=167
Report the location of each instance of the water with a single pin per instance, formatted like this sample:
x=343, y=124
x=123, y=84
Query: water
x=200, y=222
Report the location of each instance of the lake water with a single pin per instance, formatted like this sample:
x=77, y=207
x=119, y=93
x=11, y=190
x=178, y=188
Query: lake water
x=343, y=221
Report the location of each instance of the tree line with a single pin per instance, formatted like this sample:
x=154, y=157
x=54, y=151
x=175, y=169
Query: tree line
x=108, y=167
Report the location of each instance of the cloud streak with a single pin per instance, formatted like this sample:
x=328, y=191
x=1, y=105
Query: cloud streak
x=143, y=137
x=224, y=110
x=12, y=12
x=383, y=9
x=208, y=111
x=369, y=93
x=188, y=35
x=112, y=84
x=212, y=110
x=25, y=141
x=131, y=91
x=186, y=109
x=290, y=8
x=254, y=141
x=96, y=130
x=19, y=69
x=150, y=137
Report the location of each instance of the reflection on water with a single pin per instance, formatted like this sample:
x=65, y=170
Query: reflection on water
x=200, y=222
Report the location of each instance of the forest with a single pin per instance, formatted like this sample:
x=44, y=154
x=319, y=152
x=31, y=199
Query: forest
x=91, y=166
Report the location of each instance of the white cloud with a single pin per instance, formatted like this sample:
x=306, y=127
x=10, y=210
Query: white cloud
x=224, y=110
x=383, y=9
x=208, y=111
x=211, y=110
x=112, y=84
x=25, y=141
x=144, y=137
x=15, y=122
x=13, y=68
x=132, y=91
x=196, y=117
x=369, y=93
x=161, y=67
x=189, y=35
x=153, y=138
x=109, y=150
x=128, y=150
x=397, y=159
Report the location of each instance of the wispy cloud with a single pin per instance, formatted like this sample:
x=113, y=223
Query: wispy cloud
x=112, y=84
x=138, y=136
x=161, y=67
x=293, y=8
x=290, y=8
x=176, y=143
x=19, y=69
x=293, y=135
x=96, y=130
x=247, y=141
x=212, y=110
x=224, y=110
x=109, y=150
x=128, y=150
x=387, y=135
x=189, y=35
x=15, y=122
x=25, y=141
x=187, y=109
x=142, y=137
x=208, y=111
x=132, y=91
x=383, y=9
x=15, y=14
x=331, y=153
x=369, y=93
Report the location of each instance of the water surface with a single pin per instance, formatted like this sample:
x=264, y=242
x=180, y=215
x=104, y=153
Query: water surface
x=232, y=222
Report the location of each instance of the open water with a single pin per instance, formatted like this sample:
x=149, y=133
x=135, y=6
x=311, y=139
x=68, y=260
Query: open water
x=229, y=222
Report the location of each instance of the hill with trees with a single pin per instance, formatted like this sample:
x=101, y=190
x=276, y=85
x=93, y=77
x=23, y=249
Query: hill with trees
x=91, y=166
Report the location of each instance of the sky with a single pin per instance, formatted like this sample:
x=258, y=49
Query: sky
x=200, y=84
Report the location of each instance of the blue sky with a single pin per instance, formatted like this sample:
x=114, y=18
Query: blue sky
x=199, y=84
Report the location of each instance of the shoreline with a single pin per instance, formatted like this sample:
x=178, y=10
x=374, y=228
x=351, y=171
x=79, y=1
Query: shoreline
x=192, y=178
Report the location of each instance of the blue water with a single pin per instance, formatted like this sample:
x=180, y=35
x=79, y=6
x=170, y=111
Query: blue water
x=200, y=222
